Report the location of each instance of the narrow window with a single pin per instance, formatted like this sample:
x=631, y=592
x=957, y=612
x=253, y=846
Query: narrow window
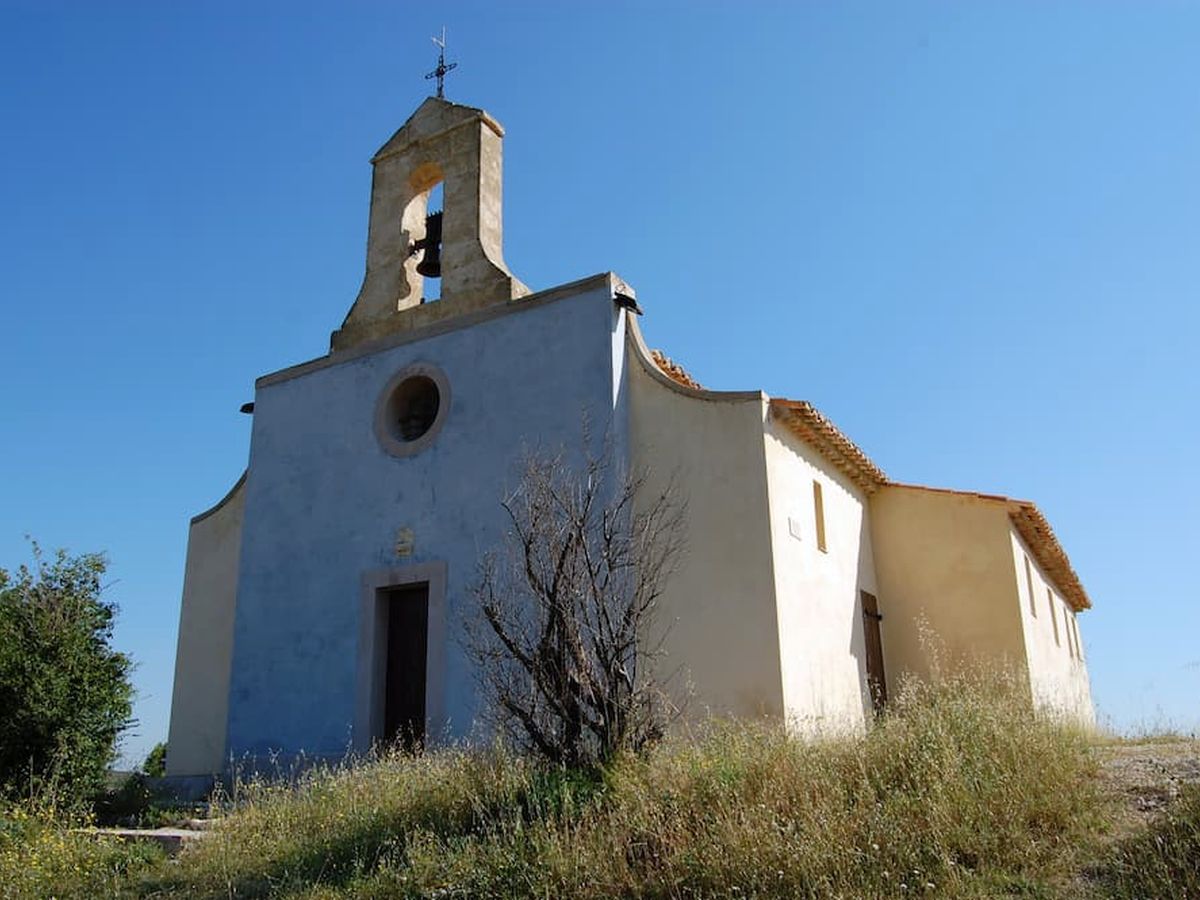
x=1078, y=639
x=1053, y=617
x=1029, y=583
x=819, y=512
x=1069, y=618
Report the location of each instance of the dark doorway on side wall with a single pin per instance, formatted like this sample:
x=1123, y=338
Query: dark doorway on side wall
x=407, y=650
x=876, y=679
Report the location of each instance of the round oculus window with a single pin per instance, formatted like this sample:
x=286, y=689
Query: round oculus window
x=411, y=409
x=414, y=407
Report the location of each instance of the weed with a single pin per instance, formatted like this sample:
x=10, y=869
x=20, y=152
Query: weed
x=1163, y=861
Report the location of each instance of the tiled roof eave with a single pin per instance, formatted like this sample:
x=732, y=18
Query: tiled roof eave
x=1034, y=529
x=809, y=425
x=1039, y=537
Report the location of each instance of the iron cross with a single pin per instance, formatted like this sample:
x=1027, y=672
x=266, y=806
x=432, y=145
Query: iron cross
x=440, y=72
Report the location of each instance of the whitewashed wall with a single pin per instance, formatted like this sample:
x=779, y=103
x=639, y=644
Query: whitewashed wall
x=818, y=592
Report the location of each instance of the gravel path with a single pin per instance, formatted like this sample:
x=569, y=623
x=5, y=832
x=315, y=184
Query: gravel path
x=1147, y=776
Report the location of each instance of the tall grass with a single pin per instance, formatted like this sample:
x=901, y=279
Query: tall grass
x=1163, y=861
x=42, y=854
x=959, y=790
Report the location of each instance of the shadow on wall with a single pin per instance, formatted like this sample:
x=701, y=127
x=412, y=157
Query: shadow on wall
x=858, y=637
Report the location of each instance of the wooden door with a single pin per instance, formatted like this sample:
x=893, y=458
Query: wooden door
x=876, y=680
x=407, y=649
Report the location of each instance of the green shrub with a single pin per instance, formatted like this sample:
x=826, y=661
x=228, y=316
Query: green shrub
x=125, y=802
x=155, y=765
x=65, y=694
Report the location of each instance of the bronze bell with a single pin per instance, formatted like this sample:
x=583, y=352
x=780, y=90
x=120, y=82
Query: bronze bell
x=431, y=261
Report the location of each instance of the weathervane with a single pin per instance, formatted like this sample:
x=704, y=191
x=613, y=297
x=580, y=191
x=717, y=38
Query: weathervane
x=440, y=72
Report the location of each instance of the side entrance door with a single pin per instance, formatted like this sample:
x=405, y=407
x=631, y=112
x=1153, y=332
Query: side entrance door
x=876, y=680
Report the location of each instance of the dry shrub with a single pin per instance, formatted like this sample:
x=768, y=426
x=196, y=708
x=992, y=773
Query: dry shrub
x=564, y=632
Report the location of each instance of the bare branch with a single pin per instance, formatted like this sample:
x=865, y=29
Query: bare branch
x=566, y=639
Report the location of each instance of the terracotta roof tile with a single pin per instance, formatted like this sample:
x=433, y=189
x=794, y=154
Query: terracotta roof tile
x=1035, y=530
x=807, y=423
x=674, y=370
x=811, y=426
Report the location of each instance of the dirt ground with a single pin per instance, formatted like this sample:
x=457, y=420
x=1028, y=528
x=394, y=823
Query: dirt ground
x=1146, y=776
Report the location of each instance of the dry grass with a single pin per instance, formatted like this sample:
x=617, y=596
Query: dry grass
x=42, y=855
x=1164, y=860
x=959, y=791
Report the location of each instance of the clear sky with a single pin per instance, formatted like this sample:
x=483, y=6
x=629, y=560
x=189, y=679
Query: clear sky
x=969, y=232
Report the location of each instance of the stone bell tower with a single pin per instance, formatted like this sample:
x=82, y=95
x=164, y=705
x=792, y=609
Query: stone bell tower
x=460, y=148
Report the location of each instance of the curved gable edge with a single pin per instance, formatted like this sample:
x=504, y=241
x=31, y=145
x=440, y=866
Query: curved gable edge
x=229, y=495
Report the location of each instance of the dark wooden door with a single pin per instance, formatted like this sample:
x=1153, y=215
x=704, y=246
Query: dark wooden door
x=876, y=680
x=407, y=648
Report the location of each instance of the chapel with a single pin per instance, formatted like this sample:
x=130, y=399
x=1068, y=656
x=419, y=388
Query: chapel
x=324, y=595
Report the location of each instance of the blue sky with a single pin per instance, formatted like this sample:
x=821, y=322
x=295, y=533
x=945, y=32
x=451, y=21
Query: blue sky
x=968, y=232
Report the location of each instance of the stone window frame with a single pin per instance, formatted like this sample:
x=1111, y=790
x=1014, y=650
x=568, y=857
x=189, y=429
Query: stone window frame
x=384, y=431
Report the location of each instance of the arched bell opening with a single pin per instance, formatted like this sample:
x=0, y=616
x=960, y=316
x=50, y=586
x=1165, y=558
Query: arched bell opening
x=460, y=148
x=424, y=218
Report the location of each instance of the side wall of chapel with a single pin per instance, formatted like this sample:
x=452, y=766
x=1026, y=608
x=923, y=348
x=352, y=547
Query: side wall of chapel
x=819, y=589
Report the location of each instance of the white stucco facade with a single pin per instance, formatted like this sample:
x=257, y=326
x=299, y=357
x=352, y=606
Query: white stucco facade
x=818, y=591
x=200, y=698
x=720, y=603
x=945, y=580
x=1054, y=654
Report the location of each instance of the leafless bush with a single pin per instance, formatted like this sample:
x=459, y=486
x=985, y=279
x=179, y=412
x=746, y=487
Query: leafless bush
x=566, y=635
